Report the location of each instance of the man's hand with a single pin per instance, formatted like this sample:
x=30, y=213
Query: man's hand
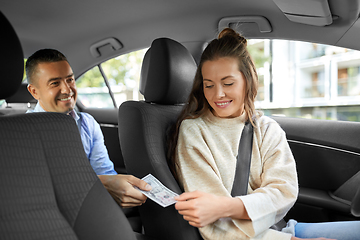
x=121, y=188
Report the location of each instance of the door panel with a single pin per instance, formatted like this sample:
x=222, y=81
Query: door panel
x=327, y=155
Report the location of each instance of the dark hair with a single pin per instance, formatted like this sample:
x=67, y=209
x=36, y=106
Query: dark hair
x=228, y=44
x=42, y=56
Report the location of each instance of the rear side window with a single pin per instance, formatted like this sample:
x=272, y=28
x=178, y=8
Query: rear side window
x=92, y=90
x=307, y=80
x=112, y=82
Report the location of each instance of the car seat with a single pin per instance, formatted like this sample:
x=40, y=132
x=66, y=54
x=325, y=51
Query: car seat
x=48, y=187
x=167, y=75
x=19, y=102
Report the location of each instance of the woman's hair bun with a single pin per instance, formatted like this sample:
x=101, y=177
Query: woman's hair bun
x=229, y=32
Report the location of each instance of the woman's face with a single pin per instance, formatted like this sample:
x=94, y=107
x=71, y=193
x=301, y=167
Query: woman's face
x=224, y=87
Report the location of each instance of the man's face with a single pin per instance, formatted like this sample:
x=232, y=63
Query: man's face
x=54, y=87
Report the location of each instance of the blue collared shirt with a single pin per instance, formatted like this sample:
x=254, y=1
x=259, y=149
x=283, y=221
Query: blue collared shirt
x=92, y=140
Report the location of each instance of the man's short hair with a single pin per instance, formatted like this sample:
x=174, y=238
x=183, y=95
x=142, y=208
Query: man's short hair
x=42, y=56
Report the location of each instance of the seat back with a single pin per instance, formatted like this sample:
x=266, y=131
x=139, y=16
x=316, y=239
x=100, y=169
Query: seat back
x=22, y=95
x=11, y=59
x=19, y=102
x=48, y=187
x=166, y=80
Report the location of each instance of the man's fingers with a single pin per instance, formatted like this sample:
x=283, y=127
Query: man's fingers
x=139, y=183
x=133, y=194
x=128, y=201
x=121, y=187
x=129, y=204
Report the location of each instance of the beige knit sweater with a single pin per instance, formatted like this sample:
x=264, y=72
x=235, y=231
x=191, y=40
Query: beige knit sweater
x=206, y=153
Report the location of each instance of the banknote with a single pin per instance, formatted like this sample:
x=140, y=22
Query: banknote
x=159, y=193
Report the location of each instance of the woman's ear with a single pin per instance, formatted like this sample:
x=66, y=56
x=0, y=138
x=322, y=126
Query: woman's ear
x=33, y=91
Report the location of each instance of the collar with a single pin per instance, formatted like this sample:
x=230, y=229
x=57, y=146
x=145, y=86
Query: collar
x=73, y=113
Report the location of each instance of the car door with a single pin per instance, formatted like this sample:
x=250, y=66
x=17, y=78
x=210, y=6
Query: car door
x=327, y=155
x=304, y=82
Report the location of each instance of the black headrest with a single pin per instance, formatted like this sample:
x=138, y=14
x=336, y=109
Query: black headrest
x=22, y=95
x=167, y=72
x=11, y=60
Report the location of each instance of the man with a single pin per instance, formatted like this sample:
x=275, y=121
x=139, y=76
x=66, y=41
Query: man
x=52, y=83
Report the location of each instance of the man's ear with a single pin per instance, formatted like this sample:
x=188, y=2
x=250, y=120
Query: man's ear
x=33, y=91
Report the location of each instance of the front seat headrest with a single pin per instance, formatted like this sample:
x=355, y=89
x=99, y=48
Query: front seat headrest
x=22, y=95
x=167, y=72
x=11, y=60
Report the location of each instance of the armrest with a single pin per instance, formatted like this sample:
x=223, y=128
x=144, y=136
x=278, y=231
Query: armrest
x=322, y=198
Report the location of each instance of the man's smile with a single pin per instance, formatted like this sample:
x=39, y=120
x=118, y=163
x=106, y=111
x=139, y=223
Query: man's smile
x=66, y=99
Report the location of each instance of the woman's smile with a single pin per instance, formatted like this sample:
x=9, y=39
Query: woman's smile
x=223, y=104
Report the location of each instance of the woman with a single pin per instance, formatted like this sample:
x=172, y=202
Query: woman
x=205, y=144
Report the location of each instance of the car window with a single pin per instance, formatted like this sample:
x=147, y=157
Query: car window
x=112, y=82
x=296, y=79
x=92, y=90
x=307, y=80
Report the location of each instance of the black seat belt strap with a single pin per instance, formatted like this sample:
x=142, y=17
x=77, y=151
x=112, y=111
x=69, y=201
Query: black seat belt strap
x=242, y=171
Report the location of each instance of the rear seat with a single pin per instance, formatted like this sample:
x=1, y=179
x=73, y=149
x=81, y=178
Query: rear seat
x=22, y=101
x=19, y=102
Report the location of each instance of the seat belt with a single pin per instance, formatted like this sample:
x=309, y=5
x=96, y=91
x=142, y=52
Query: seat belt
x=242, y=171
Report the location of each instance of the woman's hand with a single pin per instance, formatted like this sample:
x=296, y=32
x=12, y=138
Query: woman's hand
x=201, y=209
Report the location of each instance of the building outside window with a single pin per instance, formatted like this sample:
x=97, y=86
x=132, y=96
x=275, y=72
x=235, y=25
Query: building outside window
x=308, y=80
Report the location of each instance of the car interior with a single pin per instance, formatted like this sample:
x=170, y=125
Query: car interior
x=48, y=188
x=144, y=126
x=47, y=193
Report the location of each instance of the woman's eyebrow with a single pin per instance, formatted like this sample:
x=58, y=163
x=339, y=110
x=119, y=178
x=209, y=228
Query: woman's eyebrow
x=224, y=78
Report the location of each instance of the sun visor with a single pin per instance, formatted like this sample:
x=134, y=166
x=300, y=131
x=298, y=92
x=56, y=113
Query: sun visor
x=310, y=12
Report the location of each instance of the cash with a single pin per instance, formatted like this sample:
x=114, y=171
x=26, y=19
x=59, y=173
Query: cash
x=159, y=193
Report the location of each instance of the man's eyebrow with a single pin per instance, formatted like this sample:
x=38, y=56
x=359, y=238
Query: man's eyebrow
x=59, y=78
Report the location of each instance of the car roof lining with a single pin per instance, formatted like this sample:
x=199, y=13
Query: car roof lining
x=77, y=23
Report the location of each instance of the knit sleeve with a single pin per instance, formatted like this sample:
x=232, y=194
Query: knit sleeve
x=197, y=168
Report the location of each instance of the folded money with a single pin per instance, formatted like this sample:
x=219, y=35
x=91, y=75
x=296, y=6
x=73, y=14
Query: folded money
x=159, y=193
